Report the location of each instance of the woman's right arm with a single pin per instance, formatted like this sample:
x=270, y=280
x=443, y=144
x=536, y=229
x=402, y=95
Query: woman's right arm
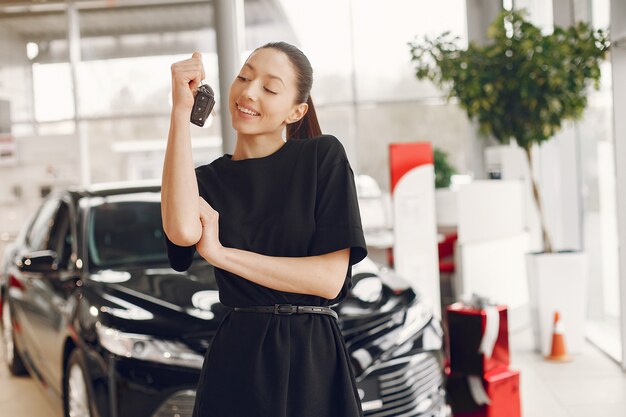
x=180, y=211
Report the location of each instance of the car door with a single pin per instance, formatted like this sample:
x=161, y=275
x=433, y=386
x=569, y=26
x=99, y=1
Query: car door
x=50, y=295
x=20, y=286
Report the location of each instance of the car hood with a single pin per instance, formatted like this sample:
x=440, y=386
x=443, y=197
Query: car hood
x=155, y=300
x=195, y=291
x=161, y=301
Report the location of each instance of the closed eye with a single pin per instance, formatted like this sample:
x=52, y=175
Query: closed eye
x=269, y=91
x=239, y=77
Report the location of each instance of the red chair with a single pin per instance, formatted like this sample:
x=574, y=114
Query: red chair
x=446, y=253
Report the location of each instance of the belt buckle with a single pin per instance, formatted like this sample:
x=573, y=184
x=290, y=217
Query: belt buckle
x=281, y=309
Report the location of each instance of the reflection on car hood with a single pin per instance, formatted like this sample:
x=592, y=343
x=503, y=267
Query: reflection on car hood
x=148, y=288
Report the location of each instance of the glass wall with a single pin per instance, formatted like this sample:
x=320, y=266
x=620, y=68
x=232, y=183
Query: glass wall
x=365, y=88
x=599, y=204
x=124, y=108
x=52, y=99
x=26, y=168
x=125, y=104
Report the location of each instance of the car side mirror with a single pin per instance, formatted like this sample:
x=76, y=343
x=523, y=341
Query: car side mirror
x=39, y=261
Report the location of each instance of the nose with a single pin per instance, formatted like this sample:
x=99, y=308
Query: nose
x=250, y=91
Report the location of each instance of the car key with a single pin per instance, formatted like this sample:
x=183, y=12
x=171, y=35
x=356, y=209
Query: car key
x=202, y=105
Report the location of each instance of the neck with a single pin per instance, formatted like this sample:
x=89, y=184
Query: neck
x=256, y=146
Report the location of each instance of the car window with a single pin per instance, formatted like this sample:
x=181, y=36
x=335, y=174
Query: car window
x=39, y=233
x=125, y=233
x=61, y=235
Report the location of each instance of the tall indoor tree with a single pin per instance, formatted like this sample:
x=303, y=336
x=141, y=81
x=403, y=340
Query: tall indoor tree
x=522, y=85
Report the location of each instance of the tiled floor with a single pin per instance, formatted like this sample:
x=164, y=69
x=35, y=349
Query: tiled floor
x=590, y=385
x=21, y=397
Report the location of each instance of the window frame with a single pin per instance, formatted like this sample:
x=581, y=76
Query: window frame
x=42, y=211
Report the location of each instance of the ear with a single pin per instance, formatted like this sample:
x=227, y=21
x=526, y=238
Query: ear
x=297, y=112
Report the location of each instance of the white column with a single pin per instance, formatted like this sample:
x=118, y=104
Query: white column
x=229, y=33
x=618, y=61
x=73, y=38
x=563, y=12
x=567, y=218
x=480, y=14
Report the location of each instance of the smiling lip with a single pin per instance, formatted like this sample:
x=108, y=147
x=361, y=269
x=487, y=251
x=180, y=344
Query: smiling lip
x=239, y=107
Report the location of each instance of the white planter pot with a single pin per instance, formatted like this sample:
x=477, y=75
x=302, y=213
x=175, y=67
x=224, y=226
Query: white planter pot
x=558, y=282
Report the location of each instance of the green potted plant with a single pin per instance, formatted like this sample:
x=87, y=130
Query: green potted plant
x=443, y=170
x=445, y=196
x=521, y=86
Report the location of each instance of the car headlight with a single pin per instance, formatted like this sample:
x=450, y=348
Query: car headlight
x=148, y=348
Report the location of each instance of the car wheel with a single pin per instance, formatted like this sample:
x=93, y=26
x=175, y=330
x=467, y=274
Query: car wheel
x=11, y=355
x=76, y=395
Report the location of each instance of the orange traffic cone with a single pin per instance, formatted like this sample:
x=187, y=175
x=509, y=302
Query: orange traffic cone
x=558, y=352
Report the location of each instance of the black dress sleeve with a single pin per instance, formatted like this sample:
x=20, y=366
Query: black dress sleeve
x=337, y=218
x=180, y=257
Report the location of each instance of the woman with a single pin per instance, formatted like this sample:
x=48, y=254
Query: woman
x=279, y=221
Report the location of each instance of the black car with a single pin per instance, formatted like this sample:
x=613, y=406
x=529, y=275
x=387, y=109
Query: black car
x=91, y=308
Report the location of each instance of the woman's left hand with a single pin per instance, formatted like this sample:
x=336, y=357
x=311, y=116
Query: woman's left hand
x=209, y=246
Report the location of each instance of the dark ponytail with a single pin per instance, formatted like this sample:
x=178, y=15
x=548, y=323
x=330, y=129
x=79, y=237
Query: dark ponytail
x=308, y=126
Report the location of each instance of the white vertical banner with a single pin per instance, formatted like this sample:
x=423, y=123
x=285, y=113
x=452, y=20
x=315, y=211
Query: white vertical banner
x=415, y=249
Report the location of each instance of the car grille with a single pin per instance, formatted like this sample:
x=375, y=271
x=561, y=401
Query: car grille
x=179, y=404
x=361, y=332
x=408, y=387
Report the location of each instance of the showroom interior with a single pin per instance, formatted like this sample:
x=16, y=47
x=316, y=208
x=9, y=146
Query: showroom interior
x=459, y=309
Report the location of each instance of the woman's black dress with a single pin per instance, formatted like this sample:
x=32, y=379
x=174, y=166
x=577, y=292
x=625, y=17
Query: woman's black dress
x=298, y=201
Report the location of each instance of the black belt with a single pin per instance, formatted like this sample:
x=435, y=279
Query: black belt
x=288, y=309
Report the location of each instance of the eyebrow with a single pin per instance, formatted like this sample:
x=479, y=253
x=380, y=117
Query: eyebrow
x=269, y=75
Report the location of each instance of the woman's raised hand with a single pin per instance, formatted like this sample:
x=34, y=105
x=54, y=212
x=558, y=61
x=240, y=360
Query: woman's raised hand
x=187, y=76
x=209, y=246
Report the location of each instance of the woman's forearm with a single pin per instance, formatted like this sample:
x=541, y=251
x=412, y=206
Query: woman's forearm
x=179, y=188
x=321, y=275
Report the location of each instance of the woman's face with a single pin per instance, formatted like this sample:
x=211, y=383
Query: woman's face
x=262, y=96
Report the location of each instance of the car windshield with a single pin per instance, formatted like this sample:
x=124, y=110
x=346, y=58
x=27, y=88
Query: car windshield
x=126, y=233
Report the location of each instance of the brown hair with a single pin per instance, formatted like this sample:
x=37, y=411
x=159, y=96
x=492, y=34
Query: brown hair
x=308, y=126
